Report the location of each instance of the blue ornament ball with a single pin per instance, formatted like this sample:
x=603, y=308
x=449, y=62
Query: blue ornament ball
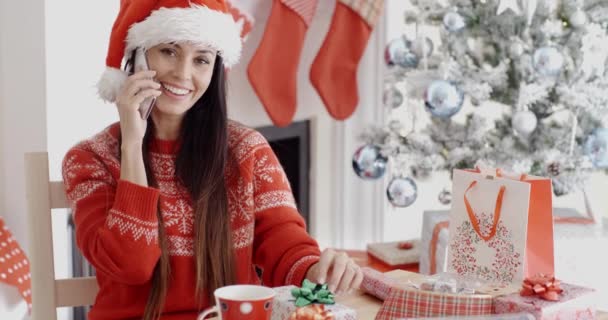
x=596, y=148
x=369, y=163
x=400, y=52
x=443, y=99
x=548, y=61
x=402, y=192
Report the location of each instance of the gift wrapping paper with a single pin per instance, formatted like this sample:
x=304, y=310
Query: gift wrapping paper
x=284, y=305
x=575, y=303
x=376, y=283
x=403, y=303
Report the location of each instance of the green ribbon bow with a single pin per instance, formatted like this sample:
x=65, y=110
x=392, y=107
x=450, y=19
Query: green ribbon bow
x=312, y=293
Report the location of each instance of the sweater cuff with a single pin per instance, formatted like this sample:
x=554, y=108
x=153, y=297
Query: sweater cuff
x=296, y=274
x=136, y=200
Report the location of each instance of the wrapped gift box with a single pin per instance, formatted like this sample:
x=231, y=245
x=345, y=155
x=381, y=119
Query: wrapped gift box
x=391, y=254
x=575, y=303
x=283, y=306
x=404, y=300
x=376, y=283
x=434, y=242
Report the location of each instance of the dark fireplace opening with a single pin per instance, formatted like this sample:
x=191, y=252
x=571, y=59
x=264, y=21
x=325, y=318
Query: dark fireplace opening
x=291, y=145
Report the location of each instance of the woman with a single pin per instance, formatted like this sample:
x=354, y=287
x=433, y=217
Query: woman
x=170, y=208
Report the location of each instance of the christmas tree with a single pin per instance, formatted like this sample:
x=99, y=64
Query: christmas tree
x=542, y=64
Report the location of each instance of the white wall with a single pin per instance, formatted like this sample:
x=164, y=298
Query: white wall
x=23, y=115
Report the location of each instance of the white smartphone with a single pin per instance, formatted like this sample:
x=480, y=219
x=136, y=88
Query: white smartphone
x=141, y=64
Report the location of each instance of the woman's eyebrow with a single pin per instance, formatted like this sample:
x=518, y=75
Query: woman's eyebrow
x=198, y=51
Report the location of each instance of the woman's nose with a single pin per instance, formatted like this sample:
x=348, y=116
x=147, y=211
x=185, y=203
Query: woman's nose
x=183, y=69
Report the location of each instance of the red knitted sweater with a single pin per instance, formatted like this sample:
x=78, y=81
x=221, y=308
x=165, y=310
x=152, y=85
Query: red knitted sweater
x=117, y=227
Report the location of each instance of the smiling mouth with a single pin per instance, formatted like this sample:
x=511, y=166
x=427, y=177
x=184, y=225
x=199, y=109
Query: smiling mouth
x=174, y=90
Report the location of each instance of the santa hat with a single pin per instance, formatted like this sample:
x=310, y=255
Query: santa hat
x=146, y=23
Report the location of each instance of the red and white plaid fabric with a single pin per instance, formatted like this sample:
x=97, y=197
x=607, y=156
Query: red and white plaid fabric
x=304, y=8
x=14, y=266
x=403, y=303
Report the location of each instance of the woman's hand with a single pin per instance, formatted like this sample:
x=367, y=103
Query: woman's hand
x=136, y=89
x=336, y=269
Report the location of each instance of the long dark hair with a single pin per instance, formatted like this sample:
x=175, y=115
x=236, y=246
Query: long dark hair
x=200, y=167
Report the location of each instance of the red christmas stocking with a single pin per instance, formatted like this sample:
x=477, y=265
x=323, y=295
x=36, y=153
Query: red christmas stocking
x=334, y=70
x=272, y=70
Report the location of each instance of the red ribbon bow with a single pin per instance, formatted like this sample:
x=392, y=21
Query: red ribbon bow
x=544, y=286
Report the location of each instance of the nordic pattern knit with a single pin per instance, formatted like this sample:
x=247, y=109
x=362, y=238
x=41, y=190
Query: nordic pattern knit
x=117, y=226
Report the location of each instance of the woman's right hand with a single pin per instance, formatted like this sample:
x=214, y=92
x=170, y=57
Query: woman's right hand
x=136, y=89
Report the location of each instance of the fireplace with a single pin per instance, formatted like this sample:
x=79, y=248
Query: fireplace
x=292, y=146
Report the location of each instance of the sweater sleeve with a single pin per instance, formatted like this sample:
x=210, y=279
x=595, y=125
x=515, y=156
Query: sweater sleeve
x=281, y=245
x=116, y=223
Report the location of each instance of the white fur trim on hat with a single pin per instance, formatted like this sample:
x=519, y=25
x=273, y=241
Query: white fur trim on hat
x=110, y=83
x=195, y=24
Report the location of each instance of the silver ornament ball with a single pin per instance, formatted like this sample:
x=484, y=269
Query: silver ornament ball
x=596, y=148
x=422, y=45
x=548, y=61
x=399, y=52
x=369, y=163
x=402, y=192
x=453, y=22
x=443, y=99
x=392, y=98
x=524, y=122
x=445, y=197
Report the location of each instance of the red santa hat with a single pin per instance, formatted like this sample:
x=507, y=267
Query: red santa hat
x=146, y=23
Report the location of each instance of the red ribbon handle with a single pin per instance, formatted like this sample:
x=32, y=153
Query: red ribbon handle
x=475, y=221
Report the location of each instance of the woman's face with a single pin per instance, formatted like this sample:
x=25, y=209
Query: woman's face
x=184, y=72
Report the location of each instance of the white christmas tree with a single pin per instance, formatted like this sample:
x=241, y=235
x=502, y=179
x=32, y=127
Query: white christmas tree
x=543, y=61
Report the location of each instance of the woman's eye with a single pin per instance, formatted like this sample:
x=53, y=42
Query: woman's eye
x=168, y=52
x=201, y=61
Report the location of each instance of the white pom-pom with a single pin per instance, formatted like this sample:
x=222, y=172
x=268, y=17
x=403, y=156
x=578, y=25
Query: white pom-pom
x=110, y=83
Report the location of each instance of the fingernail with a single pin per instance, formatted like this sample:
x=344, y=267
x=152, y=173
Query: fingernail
x=321, y=280
x=332, y=288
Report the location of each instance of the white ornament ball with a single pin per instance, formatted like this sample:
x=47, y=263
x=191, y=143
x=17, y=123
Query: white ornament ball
x=453, y=22
x=516, y=49
x=548, y=61
x=524, y=122
x=578, y=18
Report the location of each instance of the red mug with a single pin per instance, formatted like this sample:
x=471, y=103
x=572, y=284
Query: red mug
x=241, y=302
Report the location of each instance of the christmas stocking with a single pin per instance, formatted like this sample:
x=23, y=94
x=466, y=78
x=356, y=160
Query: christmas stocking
x=272, y=70
x=334, y=70
x=241, y=12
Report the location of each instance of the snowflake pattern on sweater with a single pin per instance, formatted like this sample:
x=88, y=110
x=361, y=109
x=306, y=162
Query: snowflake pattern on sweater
x=117, y=226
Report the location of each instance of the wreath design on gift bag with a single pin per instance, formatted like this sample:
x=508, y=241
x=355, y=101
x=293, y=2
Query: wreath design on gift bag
x=466, y=242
